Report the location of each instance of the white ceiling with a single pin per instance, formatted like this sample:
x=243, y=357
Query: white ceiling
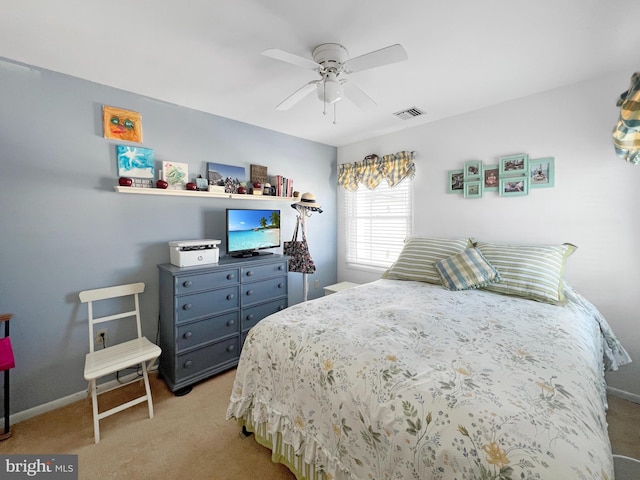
x=206, y=54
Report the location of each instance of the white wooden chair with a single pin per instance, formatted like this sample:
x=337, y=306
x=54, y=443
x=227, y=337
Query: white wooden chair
x=114, y=358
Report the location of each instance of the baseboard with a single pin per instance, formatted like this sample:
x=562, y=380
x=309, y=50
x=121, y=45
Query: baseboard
x=616, y=392
x=64, y=401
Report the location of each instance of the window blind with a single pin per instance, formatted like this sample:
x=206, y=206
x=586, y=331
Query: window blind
x=377, y=223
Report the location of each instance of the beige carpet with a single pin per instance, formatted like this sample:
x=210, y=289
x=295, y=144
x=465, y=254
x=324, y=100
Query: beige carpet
x=190, y=438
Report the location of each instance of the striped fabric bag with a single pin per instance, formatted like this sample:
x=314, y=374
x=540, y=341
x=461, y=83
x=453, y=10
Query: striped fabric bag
x=626, y=134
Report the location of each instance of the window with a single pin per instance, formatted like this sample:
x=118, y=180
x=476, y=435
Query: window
x=376, y=224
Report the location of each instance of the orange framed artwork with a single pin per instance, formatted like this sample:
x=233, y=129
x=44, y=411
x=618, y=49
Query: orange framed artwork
x=120, y=124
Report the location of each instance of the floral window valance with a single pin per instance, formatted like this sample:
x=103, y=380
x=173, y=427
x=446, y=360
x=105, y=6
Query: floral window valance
x=372, y=170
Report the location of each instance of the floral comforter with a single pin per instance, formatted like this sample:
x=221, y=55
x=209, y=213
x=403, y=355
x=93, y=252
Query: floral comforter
x=401, y=380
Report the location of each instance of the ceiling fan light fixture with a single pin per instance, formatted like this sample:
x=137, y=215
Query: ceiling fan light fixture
x=330, y=90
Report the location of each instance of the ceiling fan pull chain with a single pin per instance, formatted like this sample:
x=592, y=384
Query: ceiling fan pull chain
x=335, y=117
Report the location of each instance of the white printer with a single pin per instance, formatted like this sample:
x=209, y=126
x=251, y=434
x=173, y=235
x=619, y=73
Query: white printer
x=188, y=253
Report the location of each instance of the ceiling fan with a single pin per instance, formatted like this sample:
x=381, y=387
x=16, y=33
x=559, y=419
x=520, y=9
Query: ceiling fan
x=332, y=63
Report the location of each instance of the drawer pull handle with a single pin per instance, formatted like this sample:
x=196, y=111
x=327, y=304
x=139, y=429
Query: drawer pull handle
x=188, y=363
x=249, y=273
x=230, y=322
x=280, y=285
x=186, y=306
x=230, y=348
x=230, y=296
x=231, y=276
x=249, y=292
x=187, y=335
x=250, y=317
x=187, y=283
x=280, y=267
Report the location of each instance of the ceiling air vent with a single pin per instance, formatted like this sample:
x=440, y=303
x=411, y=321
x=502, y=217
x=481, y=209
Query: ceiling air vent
x=409, y=113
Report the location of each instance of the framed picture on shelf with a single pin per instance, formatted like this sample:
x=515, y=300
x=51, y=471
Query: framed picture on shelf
x=135, y=162
x=175, y=174
x=514, y=186
x=513, y=165
x=490, y=175
x=542, y=172
x=472, y=169
x=455, y=181
x=473, y=189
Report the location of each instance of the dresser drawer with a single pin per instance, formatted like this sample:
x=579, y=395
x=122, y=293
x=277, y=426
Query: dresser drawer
x=252, y=315
x=205, y=331
x=265, y=290
x=196, y=283
x=204, y=304
x=251, y=273
x=208, y=357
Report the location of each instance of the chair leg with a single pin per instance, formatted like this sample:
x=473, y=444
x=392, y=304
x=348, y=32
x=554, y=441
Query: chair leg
x=147, y=387
x=94, y=401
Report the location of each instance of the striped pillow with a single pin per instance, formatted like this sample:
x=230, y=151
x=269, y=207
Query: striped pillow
x=467, y=269
x=417, y=260
x=529, y=271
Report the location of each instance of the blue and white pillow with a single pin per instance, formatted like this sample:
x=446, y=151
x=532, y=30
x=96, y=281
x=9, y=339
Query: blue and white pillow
x=465, y=270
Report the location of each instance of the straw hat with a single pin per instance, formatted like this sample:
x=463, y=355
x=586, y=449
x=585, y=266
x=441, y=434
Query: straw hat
x=308, y=200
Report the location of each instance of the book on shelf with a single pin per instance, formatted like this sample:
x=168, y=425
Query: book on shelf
x=283, y=185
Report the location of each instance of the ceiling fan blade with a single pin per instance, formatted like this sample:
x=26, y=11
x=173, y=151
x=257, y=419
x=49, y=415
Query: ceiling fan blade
x=357, y=96
x=291, y=58
x=298, y=95
x=384, y=56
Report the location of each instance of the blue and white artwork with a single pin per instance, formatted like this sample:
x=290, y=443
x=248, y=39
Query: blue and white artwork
x=136, y=162
x=218, y=172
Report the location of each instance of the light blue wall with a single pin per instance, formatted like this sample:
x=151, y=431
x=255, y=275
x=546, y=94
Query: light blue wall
x=64, y=229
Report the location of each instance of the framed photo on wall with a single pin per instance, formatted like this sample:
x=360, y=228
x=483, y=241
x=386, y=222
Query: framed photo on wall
x=473, y=189
x=455, y=181
x=514, y=186
x=513, y=165
x=490, y=175
x=542, y=172
x=472, y=169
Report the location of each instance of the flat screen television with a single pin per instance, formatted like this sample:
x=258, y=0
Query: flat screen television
x=249, y=231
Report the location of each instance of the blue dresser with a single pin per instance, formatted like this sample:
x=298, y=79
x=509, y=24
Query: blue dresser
x=206, y=312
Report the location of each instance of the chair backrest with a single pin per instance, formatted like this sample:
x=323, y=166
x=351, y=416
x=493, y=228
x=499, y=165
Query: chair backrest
x=97, y=294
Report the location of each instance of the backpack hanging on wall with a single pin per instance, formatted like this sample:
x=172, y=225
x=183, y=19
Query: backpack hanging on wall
x=298, y=250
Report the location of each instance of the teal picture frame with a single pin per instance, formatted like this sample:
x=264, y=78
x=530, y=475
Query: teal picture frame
x=514, y=165
x=455, y=181
x=542, y=172
x=514, y=186
x=473, y=189
x=472, y=170
x=490, y=177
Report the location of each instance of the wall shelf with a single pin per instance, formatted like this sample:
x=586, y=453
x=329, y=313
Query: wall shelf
x=196, y=193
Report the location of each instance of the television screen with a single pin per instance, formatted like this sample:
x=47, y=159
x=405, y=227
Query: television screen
x=250, y=230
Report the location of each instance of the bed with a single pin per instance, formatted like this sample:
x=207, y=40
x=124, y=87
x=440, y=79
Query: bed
x=415, y=378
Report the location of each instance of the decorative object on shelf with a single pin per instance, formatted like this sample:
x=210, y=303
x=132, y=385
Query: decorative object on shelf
x=490, y=175
x=473, y=189
x=257, y=188
x=296, y=194
x=216, y=189
x=242, y=190
x=120, y=124
x=142, y=183
x=175, y=174
x=162, y=184
x=135, y=161
x=258, y=173
x=513, y=165
x=455, y=181
x=541, y=172
x=266, y=189
x=514, y=186
x=298, y=250
x=472, y=170
x=626, y=134
x=191, y=186
x=125, y=181
x=231, y=176
x=202, y=183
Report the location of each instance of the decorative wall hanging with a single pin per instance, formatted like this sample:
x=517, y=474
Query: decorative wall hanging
x=473, y=189
x=455, y=181
x=120, y=124
x=513, y=186
x=626, y=134
x=513, y=164
x=175, y=174
x=231, y=176
x=490, y=174
x=136, y=162
x=472, y=170
x=542, y=172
